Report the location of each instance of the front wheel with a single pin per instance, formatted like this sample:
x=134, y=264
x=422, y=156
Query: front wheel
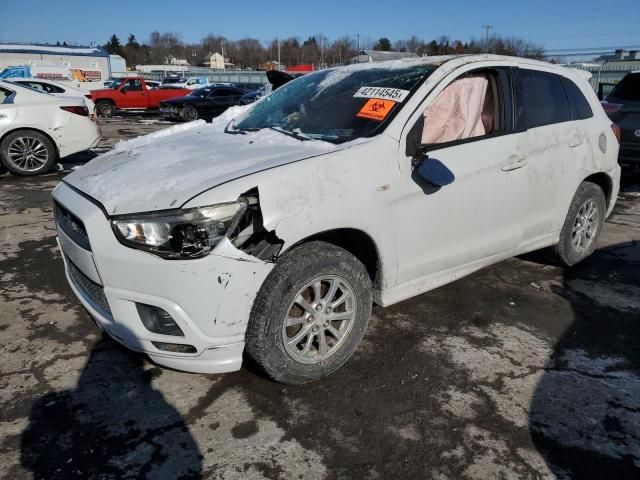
x=310, y=314
x=582, y=226
x=189, y=113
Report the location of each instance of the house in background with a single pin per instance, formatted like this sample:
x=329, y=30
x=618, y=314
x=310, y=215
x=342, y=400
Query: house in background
x=219, y=62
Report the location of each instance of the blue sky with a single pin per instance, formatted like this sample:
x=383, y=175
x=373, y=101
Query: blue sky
x=554, y=24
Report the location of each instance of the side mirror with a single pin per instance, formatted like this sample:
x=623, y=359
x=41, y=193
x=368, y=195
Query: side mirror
x=434, y=172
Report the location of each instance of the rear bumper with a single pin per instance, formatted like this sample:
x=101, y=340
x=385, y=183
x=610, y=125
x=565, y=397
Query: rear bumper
x=629, y=156
x=79, y=134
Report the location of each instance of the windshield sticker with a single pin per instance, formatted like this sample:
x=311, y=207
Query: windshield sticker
x=376, y=109
x=394, y=94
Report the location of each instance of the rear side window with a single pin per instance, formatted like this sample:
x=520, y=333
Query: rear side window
x=4, y=95
x=628, y=88
x=580, y=108
x=540, y=99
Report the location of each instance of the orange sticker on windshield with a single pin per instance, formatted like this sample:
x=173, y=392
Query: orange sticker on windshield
x=376, y=109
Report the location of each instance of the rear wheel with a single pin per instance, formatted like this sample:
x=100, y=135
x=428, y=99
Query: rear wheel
x=27, y=152
x=310, y=314
x=105, y=108
x=189, y=113
x=583, y=225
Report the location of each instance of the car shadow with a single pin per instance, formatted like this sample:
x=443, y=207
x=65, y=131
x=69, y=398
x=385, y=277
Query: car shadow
x=585, y=413
x=113, y=424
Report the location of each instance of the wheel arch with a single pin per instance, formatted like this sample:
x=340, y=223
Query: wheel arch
x=355, y=241
x=37, y=130
x=605, y=182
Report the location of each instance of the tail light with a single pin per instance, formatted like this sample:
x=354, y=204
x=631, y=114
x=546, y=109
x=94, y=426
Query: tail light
x=616, y=131
x=610, y=107
x=82, y=111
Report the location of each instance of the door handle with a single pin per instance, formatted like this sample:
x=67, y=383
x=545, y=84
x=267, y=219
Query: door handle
x=575, y=142
x=515, y=162
x=2, y=115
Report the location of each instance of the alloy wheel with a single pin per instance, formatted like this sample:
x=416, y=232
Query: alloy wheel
x=585, y=226
x=28, y=154
x=319, y=319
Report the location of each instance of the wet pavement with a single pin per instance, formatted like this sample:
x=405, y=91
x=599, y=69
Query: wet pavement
x=521, y=371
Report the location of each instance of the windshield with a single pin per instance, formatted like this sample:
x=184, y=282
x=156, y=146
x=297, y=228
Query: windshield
x=200, y=92
x=173, y=80
x=338, y=105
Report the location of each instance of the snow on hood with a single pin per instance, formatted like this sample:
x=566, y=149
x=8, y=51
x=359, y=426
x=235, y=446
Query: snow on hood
x=166, y=168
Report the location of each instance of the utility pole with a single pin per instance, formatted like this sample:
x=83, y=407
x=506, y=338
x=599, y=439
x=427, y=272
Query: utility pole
x=357, y=35
x=486, y=38
x=278, y=52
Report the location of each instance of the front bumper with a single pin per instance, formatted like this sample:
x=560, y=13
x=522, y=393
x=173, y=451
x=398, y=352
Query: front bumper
x=209, y=298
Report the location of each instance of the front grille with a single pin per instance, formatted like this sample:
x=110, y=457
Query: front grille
x=72, y=226
x=91, y=290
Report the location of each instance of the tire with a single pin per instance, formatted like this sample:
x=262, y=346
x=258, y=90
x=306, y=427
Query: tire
x=266, y=333
x=586, y=216
x=27, y=152
x=189, y=113
x=105, y=108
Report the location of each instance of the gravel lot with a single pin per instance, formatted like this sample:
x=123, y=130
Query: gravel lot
x=520, y=371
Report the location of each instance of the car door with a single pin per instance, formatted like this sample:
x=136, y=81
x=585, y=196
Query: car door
x=442, y=230
x=133, y=94
x=547, y=138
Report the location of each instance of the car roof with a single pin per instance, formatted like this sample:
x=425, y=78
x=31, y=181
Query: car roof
x=458, y=60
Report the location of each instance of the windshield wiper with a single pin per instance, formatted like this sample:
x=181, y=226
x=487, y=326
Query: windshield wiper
x=297, y=134
x=238, y=131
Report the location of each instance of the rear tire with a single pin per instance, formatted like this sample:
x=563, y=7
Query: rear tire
x=105, y=108
x=27, y=152
x=582, y=226
x=335, y=289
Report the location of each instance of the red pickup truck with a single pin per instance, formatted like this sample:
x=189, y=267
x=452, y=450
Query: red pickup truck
x=132, y=93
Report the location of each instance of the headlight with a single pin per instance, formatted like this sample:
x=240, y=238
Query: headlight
x=178, y=234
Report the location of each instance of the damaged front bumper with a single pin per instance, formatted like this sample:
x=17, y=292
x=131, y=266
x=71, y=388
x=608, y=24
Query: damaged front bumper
x=210, y=299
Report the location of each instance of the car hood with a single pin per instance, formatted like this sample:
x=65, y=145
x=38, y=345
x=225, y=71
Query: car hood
x=165, y=169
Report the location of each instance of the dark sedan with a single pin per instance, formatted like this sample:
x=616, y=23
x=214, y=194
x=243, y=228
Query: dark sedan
x=623, y=107
x=205, y=103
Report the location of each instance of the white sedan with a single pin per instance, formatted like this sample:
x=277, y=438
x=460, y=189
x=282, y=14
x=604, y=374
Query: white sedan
x=37, y=129
x=57, y=89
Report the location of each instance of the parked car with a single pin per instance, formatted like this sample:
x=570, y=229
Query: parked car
x=152, y=84
x=37, y=129
x=132, y=93
x=251, y=97
x=623, y=107
x=206, y=103
x=191, y=83
x=272, y=231
x=55, y=88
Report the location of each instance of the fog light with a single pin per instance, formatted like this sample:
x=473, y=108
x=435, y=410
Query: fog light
x=156, y=320
x=174, y=347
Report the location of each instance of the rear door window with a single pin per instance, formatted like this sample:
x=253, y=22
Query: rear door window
x=580, y=108
x=540, y=99
x=4, y=95
x=628, y=88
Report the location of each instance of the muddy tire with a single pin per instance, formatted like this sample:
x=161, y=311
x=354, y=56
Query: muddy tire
x=189, y=113
x=105, y=108
x=310, y=314
x=27, y=152
x=582, y=226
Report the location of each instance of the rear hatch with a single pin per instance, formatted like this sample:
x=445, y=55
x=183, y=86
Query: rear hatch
x=624, y=109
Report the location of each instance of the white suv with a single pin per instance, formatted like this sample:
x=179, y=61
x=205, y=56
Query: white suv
x=363, y=184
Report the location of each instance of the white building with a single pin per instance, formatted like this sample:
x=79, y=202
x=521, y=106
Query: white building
x=93, y=62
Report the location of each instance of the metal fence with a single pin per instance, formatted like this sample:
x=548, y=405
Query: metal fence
x=607, y=73
x=215, y=76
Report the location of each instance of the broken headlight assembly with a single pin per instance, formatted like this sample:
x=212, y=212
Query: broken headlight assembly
x=179, y=234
